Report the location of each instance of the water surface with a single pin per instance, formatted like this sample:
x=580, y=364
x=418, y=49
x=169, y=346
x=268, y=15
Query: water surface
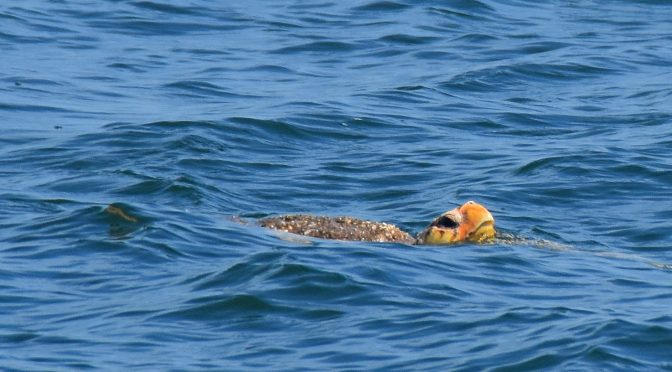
x=556, y=116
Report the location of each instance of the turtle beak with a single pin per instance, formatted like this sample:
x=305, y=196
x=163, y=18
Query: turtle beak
x=470, y=222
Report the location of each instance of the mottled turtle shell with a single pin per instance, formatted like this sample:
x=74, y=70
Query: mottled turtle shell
x=340, y=228
x=470, y=222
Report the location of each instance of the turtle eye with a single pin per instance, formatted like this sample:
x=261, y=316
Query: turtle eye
x=446, y=222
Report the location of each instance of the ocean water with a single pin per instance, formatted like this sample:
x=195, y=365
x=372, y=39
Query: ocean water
x=193, y=114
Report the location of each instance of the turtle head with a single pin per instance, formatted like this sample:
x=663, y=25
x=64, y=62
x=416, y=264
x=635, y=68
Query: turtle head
x=470, y=222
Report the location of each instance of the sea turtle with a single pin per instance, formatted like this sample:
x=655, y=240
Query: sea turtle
x=470, y=222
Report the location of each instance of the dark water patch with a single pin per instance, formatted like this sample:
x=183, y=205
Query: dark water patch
x=538, y=47
x=239, y=274
x=302, y=128
x=408, y=39
x=31, y=108
x=151, y=185
x=125, y=66
x=639, y=235
x=347, y=360
x=280, y=25
x=651, y=342
x=166, y=8
x=7, y=15
x=51, y=225
x=272, y=69
x=129, y=26
x=385, y=53
x=261, y=353
x=205, y=52
x=432, y=55
x=411, y=88
x=204, y=89
x=303, y=284
x=381, y=6
x=163, y=127
x=220, y=307
x=197, y=145
x=324, y=47
x=476, y=38
x=561, y=162
x=652, y=94
x=17, y=338
x=536, y=362
x=51, y=29
x=22, y=39
x=270, y=128
x=470, y=10
x=477, y=125
x=400, y=96
x=22, y=81
x=508, y=77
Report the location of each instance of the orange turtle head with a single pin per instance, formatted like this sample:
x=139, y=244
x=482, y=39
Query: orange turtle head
x=471, y=222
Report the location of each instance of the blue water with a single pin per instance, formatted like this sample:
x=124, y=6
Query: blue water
x=556, y=116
